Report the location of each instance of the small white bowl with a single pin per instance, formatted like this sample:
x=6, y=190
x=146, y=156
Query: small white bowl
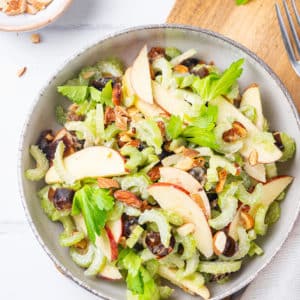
x=27, y=22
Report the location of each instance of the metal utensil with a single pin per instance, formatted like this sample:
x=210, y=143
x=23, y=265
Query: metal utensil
x=285, y=36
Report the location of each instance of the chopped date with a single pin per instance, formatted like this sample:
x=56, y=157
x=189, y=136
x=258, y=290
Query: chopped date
x=154, y=244
x=100, y=83
x=63, y=198
x=190, y=62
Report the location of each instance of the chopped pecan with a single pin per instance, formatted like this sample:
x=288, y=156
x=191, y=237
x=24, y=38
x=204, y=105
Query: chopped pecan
x=190, y=152
x=134, y=143
x=222, y=174
x=128, y=198
x=154, y=173
x=72, y=114
x=121, y=117
x=162, y=128
x=35, y=38
x=181, y=69
x=156, y=52
x=199, y=162
x=107, y=183
x=236, y=132
x=117, y=94
x=82, y=245
x=246, y=220
x=253, y=158
x=109, y=115
x=15, y=7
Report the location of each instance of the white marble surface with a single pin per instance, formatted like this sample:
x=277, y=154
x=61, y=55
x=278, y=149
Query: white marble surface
x=26, y=272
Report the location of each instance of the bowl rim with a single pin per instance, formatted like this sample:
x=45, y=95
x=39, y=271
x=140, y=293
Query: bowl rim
x=39, y=24
x=207, y=32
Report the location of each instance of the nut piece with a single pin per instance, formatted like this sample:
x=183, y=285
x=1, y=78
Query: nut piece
x=107, y=183
x=35, y=38
x=236, y=132
x=181, y=69
x=154, y=173
x=21, y=71
x=15, y=7
x=190, y=152
x=224, y=244
x=185, y=164
x=121, y=117
x=156, y=52
x=128, y=198
x=109, y=115
x=116, y=94
x=253, y=158
x=246, y=220
x=222, y=174
x=30, y=9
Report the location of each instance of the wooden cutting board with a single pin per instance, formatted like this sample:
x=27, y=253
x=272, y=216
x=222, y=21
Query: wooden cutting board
x=254, y=25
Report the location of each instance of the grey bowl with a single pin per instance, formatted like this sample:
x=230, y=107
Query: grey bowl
x=278, y=108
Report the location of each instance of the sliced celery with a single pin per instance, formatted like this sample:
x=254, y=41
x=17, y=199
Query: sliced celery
x=219, y=267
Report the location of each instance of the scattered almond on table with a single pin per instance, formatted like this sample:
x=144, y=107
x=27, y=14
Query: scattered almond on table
x=17, y=7
x=35, y=38
x=21, y=71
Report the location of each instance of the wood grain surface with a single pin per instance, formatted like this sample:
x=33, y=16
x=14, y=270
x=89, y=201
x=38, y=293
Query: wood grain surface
x=254, y=25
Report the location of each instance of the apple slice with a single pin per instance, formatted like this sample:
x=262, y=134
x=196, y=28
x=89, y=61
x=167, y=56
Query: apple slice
x=149, y=110
x=185, y=283
x=257, y=172
x=110, y=272
x=141, y=76
x=176, y=199
x=273, y=188
x=127, y=86
x=232, y=232
x=181, y=178
x=95, y=161
x=168, y=101
x=252, y=97
x=226, y=111
x=116, y=229
x=189, y=183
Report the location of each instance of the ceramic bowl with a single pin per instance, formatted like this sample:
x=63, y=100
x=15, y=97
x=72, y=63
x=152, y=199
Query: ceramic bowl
x=278, y=108
x=27, y=22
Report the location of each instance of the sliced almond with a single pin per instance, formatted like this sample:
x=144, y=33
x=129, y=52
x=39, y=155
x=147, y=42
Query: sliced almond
x=190, y=152
x=128, y=198
x=224, y=244
x=21, y=71
x=237, y=132
x=253, y=158
x=186, y=163
x=35, y=38
x=30, y=9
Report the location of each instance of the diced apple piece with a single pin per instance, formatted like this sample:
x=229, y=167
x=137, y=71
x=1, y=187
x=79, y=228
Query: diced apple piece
x=257, y=172
x=176, y=199
x=115, y=228
x=186, y=284
x=95, y=161
x=252, y=97
x=273, y=188
x=168, y=101
x=181, y=178
x=110, y=272
x=226, y=111
x=141, y=76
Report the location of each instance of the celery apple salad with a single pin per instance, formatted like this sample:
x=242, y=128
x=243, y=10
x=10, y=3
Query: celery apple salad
x=161, y=171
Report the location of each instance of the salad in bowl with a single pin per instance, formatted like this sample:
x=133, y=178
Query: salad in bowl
x=162, y=172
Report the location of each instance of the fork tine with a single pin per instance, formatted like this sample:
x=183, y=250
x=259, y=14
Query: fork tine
x=296, y=11
x=285, y=36
x=292, y=26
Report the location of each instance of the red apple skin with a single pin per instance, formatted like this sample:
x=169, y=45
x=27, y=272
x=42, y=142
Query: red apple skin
x=117, y=233
x=113, y=244
x=170, y=185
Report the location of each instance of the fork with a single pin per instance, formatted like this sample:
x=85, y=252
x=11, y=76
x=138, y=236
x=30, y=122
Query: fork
x=285, y=36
